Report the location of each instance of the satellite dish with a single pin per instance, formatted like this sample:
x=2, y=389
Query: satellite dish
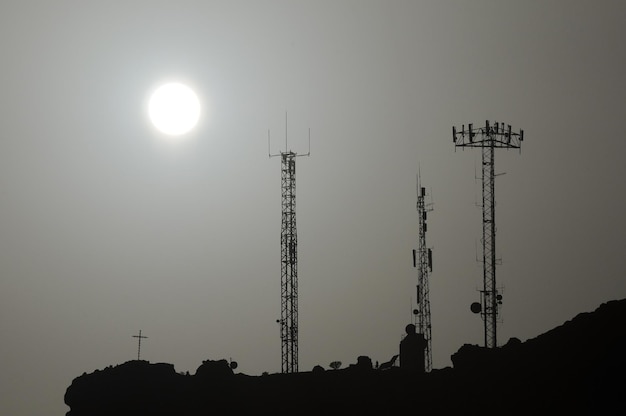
x=233, y=365
x=416, y=312
x=476, y=307
x=499, y=297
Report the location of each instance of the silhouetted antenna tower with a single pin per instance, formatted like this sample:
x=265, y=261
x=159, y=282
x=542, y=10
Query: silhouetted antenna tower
x=488, y=138
x=289, y=258
x=423, y=260
x=140, y=337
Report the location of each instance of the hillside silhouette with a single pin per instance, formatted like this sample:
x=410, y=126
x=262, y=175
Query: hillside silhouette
x=577, y=367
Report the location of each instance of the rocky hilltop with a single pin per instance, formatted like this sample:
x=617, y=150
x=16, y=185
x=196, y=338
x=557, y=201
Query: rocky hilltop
x=577, y=367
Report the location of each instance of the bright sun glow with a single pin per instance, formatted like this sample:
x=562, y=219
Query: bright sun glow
x=174, y=109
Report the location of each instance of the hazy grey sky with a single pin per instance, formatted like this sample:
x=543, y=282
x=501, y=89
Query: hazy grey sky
x=106, y=228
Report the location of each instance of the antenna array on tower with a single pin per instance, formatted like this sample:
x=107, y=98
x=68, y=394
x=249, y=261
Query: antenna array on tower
x=488, y=138
x=423, y=260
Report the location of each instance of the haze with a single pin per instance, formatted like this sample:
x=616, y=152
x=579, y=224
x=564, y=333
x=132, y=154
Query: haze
x=105, y=229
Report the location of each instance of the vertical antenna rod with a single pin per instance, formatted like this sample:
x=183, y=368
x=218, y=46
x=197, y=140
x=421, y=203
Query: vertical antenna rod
x=139, y=342
x=289, y=261
x=423, y=259
x=489, y=139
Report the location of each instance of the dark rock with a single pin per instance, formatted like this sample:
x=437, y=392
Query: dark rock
x=215, y=370
x=318, y=369
x=578, y=367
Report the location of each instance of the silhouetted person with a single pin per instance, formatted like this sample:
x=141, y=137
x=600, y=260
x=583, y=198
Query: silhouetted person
x=412, y=350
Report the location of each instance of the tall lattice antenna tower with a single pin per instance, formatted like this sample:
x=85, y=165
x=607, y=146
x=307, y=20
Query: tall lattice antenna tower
x=423, y=260
x=289, y=258
x=488, y=138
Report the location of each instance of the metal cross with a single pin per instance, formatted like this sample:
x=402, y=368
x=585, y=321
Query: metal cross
x=139, y=346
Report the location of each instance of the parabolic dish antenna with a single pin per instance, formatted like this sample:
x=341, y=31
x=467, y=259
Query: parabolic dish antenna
x=476, y=307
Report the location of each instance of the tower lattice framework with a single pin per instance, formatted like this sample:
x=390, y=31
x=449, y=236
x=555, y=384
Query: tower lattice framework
x=424, y=267
x=488, y=138
x=288, y=258
x=289, y=266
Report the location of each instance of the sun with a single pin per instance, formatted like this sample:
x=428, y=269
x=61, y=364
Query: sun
x=174, y=109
